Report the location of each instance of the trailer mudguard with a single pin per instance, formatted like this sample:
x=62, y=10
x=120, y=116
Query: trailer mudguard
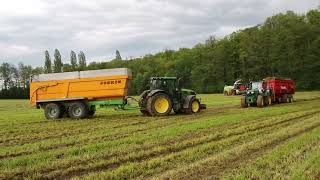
x=187, y=101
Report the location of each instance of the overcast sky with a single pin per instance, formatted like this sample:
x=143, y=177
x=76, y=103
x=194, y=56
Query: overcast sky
x=134, y=27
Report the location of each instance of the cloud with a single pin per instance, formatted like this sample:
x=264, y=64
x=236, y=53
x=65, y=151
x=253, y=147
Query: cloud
x=135, y=27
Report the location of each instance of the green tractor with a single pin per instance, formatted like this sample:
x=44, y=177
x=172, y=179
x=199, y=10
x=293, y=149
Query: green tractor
x=257, y=94
x=165, y=95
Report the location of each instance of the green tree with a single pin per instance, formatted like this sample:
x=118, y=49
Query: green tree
x=139, y=83
x=82, y=61
x=47, y=63
x=118, y=56
x=7, y=74
x=73, y=61
x=25, y=73
x=67, y=68
x=57, y=61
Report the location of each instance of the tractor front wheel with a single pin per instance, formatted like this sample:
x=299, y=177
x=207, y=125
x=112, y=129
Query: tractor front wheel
x=194, y=106
x=244, y=104
x=159, y=105
x=260, y=101
x=269, y=100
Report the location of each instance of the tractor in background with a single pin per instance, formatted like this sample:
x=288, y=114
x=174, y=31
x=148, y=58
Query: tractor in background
x=165, y=95
x=238, y=88
x=257, y=94
x=268, y=91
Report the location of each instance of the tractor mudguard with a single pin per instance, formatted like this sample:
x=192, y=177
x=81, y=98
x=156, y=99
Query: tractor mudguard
x=187, y=100
x=142, y=100
x=153, y=92
x=144, y=93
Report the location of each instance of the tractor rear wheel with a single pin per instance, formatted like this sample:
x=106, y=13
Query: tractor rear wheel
x=244, y=104
x=260, y=101
x=52, y=111
x=159, y=105
x=78, y=110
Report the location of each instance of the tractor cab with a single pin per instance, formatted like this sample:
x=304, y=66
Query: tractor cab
x=165, y=94
x=257, y=85
x=168, y=84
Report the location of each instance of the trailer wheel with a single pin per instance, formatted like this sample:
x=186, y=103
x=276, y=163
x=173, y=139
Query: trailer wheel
x=159, y=105
x=244, y=104
x=284, y=98
x=78, y=110
x=290, y=99
x=52, y=111
x=260, y=101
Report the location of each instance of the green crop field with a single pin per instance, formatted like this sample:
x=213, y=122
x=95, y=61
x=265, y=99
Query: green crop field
x=224, y=141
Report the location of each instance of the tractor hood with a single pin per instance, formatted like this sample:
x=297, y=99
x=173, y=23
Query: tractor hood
x=252, y=92
x=188, y=91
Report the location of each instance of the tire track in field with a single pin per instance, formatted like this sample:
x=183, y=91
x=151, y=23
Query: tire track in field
x=219, y=110
x=246, y=156
x=8, y=142
x=111, y=137
x=246, y=122
x=79, y=172
x=114, y=137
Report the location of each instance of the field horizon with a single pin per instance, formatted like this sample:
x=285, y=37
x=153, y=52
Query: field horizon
x=281, y=141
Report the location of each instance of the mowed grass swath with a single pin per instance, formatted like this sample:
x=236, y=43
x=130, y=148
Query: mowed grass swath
x=224, y=141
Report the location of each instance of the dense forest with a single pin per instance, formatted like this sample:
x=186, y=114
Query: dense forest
x=285, y=45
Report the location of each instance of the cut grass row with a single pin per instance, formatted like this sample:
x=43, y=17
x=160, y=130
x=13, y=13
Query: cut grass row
x=89, y=151
x=127, y=131
x=218, y=164
x=298, y=159
x=220, y=155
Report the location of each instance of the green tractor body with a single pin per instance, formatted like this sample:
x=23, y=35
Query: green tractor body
x=165, y=95
x=257, y=94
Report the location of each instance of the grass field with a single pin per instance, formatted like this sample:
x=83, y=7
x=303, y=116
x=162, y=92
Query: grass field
x=224, y=141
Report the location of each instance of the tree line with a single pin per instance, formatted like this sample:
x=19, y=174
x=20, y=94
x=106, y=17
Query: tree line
x=286, y=45
x=58, y=66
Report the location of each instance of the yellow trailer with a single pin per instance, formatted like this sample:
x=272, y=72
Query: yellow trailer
x=75, y=94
